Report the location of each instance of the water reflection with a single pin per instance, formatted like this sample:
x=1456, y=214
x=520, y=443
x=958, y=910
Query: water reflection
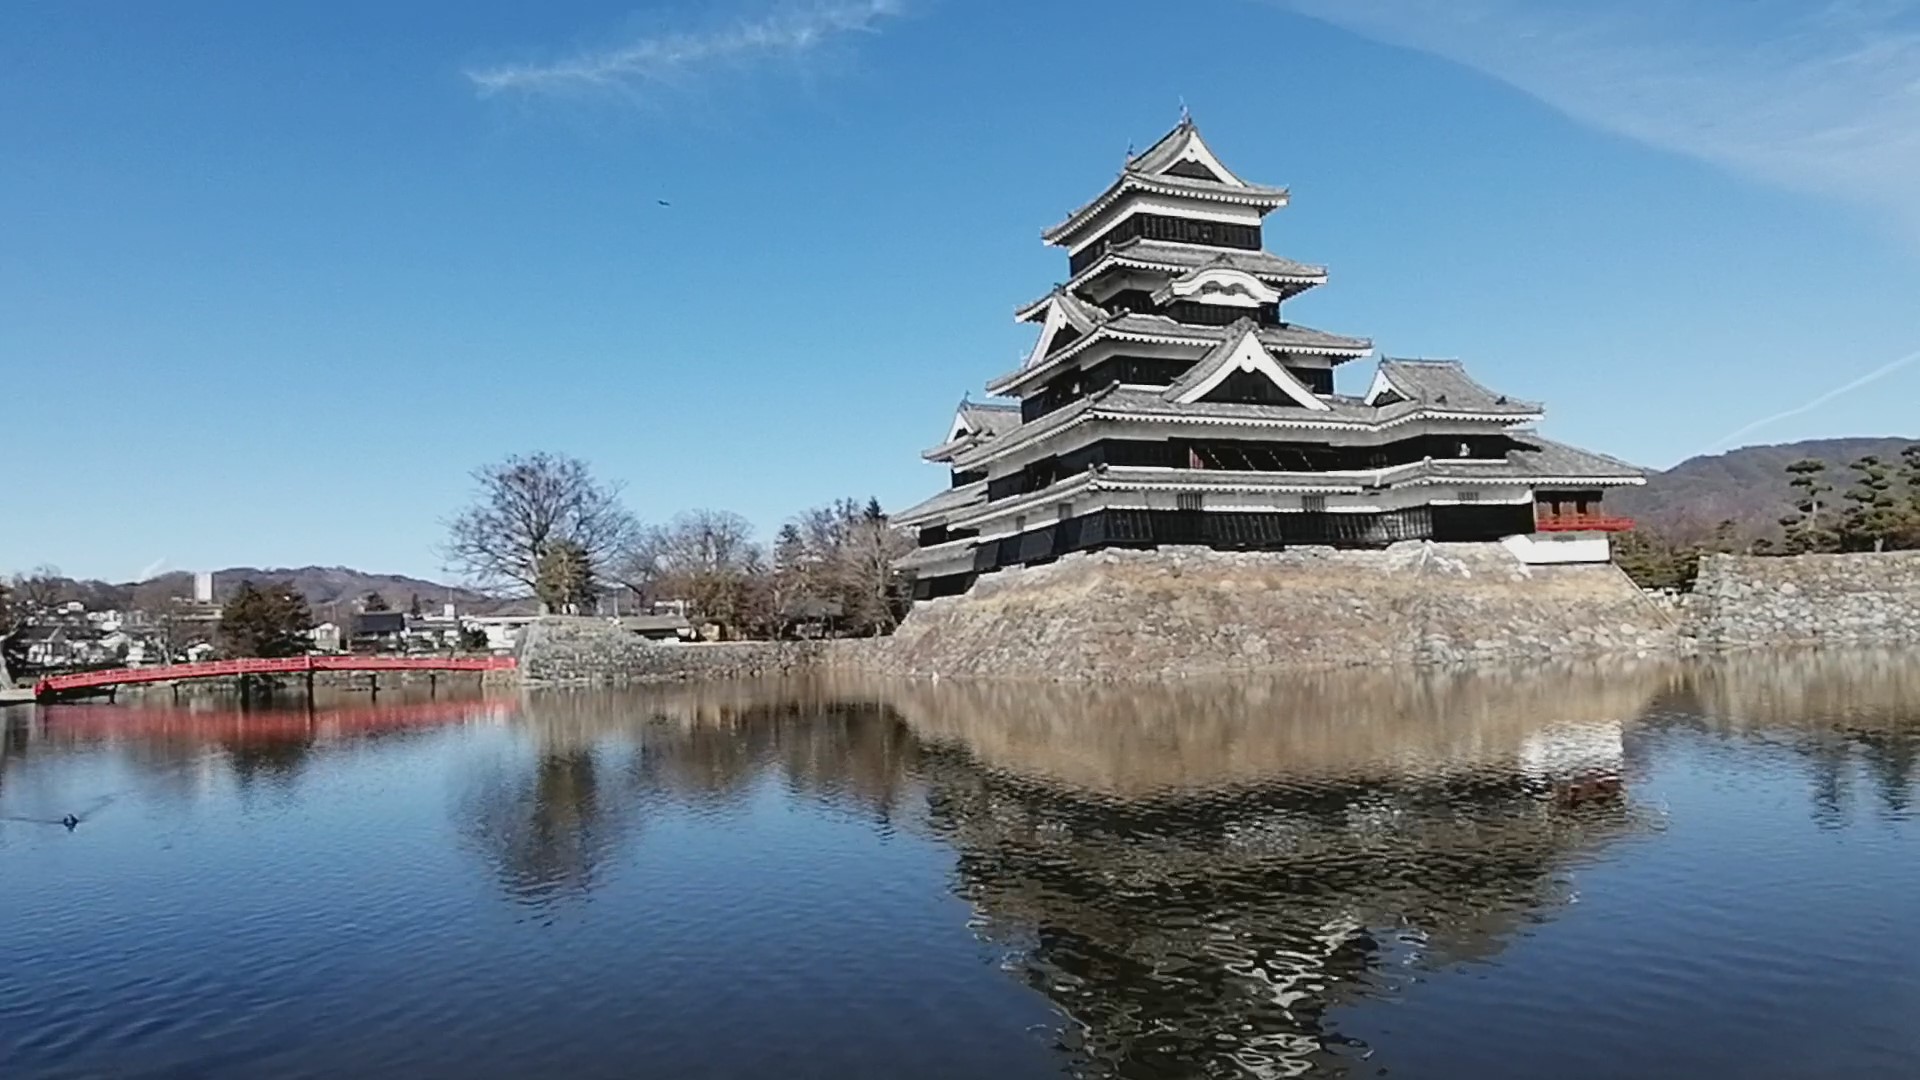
x=1204, y=879
x=1198, y=875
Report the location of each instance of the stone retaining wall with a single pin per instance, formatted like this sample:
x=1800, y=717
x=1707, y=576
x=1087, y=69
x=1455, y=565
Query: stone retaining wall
x=579, y=651
x=1184, y=612
x=1194, y=611
x=1742, y=601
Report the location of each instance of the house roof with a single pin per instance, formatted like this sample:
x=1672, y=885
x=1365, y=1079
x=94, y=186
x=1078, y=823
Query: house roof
x=1445, y=382
x=931, y=511
x=1287, y=337
x=642, y=623
x=1545, y=458
x=1124, y=402
x=935, y=554
x=379, y=622
x=1148, y=172
x=991, y=417
x=1176, y=259
x=982, y=419
x=1228, y=352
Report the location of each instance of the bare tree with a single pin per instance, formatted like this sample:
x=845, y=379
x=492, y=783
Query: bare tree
x=39, y=588
x=7, y=628
x=866, y=567
x=175, y=626
x=849, y=551
x=709, y=558
x=524, y=506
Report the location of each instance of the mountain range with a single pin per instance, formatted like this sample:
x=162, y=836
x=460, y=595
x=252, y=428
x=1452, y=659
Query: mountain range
x=1747, y=486
x=325, y=587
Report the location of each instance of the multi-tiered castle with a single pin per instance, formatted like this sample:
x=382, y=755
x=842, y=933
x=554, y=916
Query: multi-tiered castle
x=1169, y=400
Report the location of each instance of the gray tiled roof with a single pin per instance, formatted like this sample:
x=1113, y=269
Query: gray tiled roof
x=938, y=553
x=932, y=510
x=1217, y=356
x=1145, y=171
x=1181, y=259
x=1191, y=257
x=1258, y=195
x=1203, y=478
x=1446, y=383
x=991, y=417
x=1290, y=337
x=1162, y=153
x=1544, y=458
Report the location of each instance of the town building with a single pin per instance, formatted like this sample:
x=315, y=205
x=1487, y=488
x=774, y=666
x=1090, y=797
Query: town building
x=1169, y=398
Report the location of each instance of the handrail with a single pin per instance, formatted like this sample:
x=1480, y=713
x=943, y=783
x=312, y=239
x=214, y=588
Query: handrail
x=1581, y=523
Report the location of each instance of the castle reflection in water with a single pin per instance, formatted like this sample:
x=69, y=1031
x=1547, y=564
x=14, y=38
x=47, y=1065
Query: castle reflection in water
x=1191, y=873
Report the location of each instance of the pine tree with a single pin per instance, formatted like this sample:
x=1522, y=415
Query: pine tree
x=1805, y=528
x=1876, y=515
x=565, y=582
x=373, y=601
x=413, y=606
x=270, y=620
x=1910, y=473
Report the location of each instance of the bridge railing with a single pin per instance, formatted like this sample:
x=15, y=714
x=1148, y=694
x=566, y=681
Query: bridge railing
x=292, y=665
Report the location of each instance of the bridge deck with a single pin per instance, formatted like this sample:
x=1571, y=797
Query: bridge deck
x=292, y=665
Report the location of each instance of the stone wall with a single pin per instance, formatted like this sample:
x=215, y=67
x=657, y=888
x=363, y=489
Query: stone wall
x=1742, y=601
x=576, y=651
x=1193, y=611
x=1185, y=612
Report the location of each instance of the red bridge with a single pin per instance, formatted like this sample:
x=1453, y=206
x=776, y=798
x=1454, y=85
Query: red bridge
x=81, y=682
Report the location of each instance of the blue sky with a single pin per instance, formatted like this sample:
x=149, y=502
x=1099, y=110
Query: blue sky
x=274, y=278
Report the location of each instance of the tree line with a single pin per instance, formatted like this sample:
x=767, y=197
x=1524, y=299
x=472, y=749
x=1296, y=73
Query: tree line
x=1877, y=508
x=544, y=525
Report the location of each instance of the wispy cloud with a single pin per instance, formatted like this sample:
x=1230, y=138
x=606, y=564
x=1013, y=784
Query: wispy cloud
x=1811, y=404
x=1821, y=96
x=665, y=60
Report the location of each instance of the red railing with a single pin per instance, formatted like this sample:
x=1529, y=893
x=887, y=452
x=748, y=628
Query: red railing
x=1581, y=523
x=292, y=665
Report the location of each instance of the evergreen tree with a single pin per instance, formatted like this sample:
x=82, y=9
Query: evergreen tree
x=1910, y=473
x=1876, y=515
x=373, y=601
x=413, y=606
x=565, y=582
x=270, y=620
x=1807, y=529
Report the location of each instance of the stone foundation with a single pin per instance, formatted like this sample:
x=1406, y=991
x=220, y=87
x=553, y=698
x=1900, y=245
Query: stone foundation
x=1181, y=612
x=1742, y=601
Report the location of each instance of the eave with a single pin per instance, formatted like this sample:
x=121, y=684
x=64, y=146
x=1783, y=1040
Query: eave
x=1263, y=199
x=1090, y=412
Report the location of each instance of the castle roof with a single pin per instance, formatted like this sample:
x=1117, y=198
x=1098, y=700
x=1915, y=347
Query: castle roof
x=1180, y=165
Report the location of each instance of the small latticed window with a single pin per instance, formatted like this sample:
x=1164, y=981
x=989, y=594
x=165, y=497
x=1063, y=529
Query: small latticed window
x=1466, y=496
x=1313, y=504
x=1188, y=500
x=1063, y=511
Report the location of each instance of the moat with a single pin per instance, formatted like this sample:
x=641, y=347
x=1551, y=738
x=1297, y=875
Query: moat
x=1650, y=869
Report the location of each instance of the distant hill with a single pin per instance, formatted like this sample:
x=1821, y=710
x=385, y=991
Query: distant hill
x=1747, y=486
x=323, y=586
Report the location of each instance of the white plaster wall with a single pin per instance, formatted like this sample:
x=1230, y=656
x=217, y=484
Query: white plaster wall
x=1560, y=549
